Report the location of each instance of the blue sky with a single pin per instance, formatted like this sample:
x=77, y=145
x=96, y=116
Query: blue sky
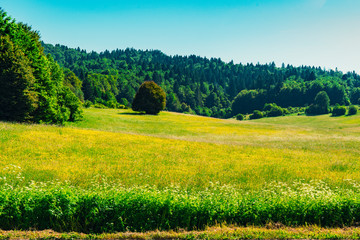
x=322, y=33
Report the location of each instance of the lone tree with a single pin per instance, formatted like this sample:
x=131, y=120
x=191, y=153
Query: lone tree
x=321, y=104
x=150, y=98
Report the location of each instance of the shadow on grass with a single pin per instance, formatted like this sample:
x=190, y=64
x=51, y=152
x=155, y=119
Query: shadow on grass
x=132, y=113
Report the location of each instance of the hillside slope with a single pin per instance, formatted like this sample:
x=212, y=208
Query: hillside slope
x=185, y=150
x=201, y=85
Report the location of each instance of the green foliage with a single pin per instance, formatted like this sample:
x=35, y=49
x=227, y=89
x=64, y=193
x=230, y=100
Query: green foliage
x=150, y=98
x=240, y=117
x=99, y=105
x=74, y=83
x=203, y=86
x=352, y=110
x=18, y=100
x=338, y=110
x=32, y=84
x=256, y=115
x=273, y=110
x=88, y=104
x=248, y=100
x=321, y=104
x=116, y=209
x=111, y=104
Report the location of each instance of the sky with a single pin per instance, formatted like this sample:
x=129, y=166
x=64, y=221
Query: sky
x=323, y=33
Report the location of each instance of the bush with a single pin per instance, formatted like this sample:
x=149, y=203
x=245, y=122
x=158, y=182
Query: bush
x=338, y=110
x=111, y=104
x=352, y=110
x=312, y=110
x=150, y=98
x=273, y=110
x=240, y=117
x=99, y=105
x=256, y=115
x=120, y=106
x=321, y=104
x=88, y=104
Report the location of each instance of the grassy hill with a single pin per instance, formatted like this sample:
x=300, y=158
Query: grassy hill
x=185, y=150
x=121, y=171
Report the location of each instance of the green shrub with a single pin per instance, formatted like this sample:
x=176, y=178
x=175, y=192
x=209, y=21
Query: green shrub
x=273, y=110
x=120, y=106
x=321, y=105
x=150, y=98
x=111, y=104
x=125, y=102
x=256, y=115
x=352, y=110
x=99, y=105
x=187, y=109
x=240, y=117
x=88, y=104
x=338, y=110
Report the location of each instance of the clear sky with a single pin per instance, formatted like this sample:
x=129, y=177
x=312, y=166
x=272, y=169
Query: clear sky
x=322, y=33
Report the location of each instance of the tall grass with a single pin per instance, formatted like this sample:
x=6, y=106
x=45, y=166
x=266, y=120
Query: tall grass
x=115, y=208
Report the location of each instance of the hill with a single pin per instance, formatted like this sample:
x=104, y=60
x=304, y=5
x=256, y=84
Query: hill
x=121, y=171
x=189, y=151
x=199, y=85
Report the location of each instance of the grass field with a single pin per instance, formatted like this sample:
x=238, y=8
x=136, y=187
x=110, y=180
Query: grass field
x=184, y=150
x=117, y=171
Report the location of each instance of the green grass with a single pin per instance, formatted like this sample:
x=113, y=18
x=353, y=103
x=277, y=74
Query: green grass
x=179, y=171
x=185, y=150
x=222, y=232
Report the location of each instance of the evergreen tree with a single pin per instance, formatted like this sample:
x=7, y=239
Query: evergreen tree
x=31, y=83
x=17, y=97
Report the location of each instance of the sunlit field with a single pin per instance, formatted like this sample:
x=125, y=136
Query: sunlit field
x=119, y=171
x=183, y=150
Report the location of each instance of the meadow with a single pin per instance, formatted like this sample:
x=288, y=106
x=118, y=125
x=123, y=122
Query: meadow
x=182, y=150
x=118, y=170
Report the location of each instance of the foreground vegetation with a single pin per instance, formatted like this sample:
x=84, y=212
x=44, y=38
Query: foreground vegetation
x=112, y=208
x=122, y=171
x=269, y=232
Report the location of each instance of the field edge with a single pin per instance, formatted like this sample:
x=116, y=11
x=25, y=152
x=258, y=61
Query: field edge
x=270, y=231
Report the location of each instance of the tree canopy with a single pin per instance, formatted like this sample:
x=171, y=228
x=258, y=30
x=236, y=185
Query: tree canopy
x=31, y=83
x=150, y=98
x=200, y=85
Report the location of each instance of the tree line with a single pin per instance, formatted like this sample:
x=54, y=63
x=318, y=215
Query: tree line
x=47, y=83
x=200, y=85
x=33, y=87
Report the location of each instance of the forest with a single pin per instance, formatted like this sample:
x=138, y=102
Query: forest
x=33, y=86
x=198, y=85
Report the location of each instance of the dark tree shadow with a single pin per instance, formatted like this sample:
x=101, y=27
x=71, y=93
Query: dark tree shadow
x=132, y=113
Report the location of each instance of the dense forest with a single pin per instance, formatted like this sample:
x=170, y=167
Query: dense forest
x=32, y=85
x=199, y=85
